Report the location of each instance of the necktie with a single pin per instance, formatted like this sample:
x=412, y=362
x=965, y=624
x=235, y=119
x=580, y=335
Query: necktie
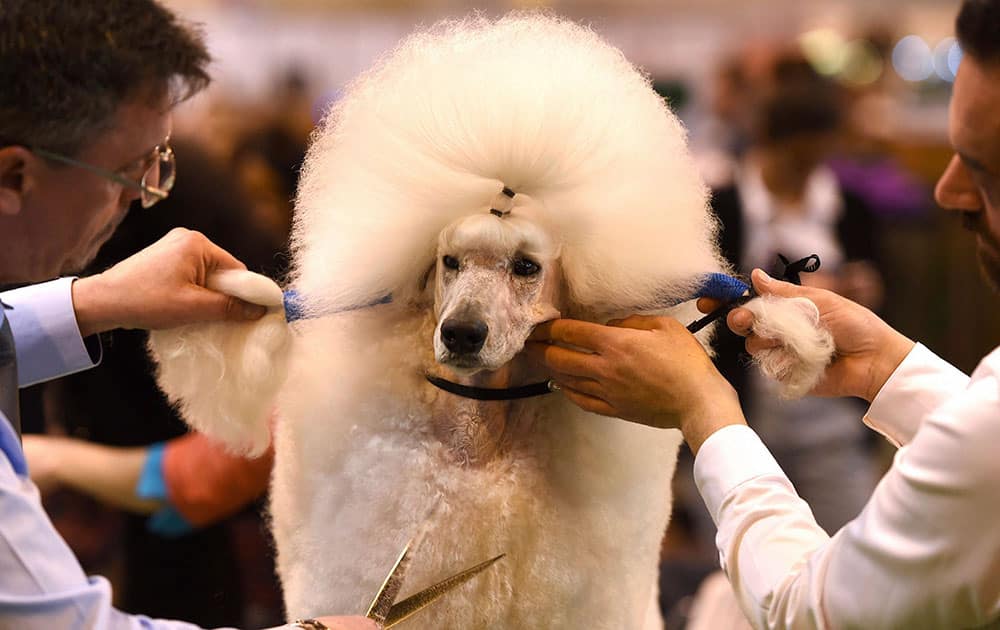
x=8, y=373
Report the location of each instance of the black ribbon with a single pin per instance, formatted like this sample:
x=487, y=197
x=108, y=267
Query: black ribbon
x=791, y=272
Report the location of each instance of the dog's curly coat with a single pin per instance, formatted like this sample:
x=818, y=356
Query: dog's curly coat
x=430, y=135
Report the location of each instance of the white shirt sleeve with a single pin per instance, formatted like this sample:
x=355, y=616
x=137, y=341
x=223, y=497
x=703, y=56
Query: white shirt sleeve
x=46, y=336
x=923, y=553
x=920, y=384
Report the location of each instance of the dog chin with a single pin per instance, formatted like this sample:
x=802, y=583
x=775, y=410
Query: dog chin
x=467, y=365
x=464, y=366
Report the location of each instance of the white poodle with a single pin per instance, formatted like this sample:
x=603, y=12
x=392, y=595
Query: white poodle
x=484, y=177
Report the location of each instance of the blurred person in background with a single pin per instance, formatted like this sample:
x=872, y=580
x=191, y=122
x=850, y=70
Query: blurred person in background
x=267, y=154
x=785, y=200
x=266, y=161
x=724, y=136
x=866, y=166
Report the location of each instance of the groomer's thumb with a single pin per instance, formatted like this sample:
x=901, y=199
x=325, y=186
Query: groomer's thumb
x=766, y=285
x=209, y=305
x=237, y=309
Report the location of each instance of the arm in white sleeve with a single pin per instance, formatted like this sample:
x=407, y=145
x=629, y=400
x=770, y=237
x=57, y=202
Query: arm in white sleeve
x=924, y=553
x=921, y=383
x=46, y=336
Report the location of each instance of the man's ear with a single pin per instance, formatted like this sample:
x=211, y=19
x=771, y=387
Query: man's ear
x=14, y=178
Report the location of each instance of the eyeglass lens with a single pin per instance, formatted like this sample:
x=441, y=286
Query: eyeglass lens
x=159, y=179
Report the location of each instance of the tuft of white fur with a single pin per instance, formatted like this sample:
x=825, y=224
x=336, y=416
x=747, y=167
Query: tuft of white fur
x=223, y=376
x=806, y=346
x=246, y=285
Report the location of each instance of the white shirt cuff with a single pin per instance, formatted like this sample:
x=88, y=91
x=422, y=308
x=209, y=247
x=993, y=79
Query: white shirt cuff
x=730, y=457
x=921, y=383
x=46, y=336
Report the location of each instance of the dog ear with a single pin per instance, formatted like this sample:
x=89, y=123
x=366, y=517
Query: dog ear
x=426, y=286
x=426, y=278
x=224, y=376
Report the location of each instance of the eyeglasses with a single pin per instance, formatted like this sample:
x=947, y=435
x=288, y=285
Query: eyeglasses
x=152, y=175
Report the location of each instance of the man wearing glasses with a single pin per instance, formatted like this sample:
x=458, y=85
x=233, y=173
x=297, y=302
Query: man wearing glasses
x=152, y=175
x=86, y=91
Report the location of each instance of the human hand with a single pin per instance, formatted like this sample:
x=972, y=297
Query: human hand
x=163, y=286
x=867, y=349
x=649, y=370
x=348, y=623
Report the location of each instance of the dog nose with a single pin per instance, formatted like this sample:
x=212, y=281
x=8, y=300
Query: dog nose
x=463, y=337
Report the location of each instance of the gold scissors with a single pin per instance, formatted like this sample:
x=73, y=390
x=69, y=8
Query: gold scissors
x=387, y=614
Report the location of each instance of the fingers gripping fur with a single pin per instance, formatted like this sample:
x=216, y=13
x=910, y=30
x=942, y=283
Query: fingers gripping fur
x=806, y=346
x=224, y=376
x=246, y=285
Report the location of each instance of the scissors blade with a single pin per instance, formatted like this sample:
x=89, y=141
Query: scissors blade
x=413, y=604
x=381, y=605
x=387, y=593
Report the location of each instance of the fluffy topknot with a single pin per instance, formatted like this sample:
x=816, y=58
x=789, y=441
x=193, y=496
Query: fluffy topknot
x=436, y=129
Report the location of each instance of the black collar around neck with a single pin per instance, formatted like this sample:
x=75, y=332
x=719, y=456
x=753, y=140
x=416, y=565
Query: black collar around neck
x=489, y=393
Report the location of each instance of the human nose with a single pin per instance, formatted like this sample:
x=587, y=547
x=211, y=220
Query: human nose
x=955, y=189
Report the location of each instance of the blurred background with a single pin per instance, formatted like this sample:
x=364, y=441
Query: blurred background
x=739, y=74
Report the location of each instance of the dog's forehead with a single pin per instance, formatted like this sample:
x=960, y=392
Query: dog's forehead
x=490, y=236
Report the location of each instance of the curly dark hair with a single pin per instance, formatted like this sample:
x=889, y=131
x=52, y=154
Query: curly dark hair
x=66, y=67
x=978, y=29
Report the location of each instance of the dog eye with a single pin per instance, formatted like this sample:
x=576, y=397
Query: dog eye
x=450, y=262
x=525, y=267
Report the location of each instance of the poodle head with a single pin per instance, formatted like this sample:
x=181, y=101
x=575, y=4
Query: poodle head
x=496, y=277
